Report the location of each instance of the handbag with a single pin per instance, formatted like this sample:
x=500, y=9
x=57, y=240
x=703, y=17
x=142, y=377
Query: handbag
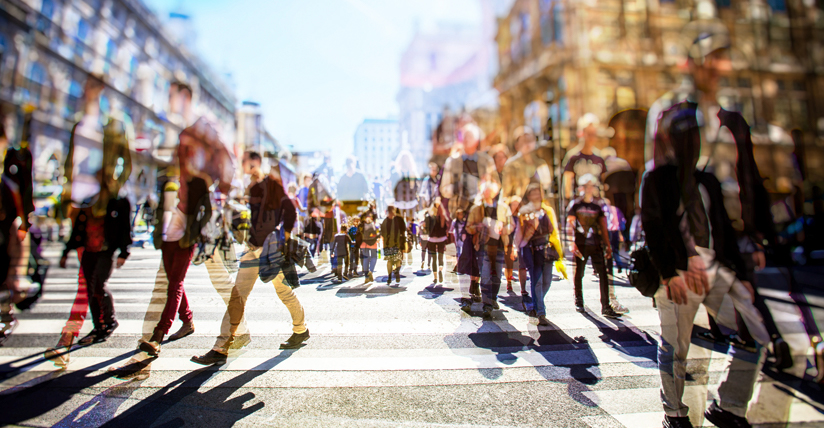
x=643, y=275
x=550, y=253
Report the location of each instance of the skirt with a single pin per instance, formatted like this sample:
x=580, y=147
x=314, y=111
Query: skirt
x=392, y=254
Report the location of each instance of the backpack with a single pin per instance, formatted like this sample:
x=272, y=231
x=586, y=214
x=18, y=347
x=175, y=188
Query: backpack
x=643, y=275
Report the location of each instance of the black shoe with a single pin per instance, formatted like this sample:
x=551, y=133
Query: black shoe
x=610, y=313
x=532, y=314
x=133, y=369
x=389, y=279
x=466, y=306
x=488, y=311
x=295, y=341
x=580, y=308
x=543, y=321
x=673, y=422
x=89, y=338
x=724, y=419
x=783, y=356
x=211, y=358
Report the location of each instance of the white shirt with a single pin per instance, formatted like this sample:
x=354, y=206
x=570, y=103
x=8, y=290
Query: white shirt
x=174, y=225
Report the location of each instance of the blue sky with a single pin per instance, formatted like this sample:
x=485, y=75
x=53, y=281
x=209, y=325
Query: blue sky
x=318, y=67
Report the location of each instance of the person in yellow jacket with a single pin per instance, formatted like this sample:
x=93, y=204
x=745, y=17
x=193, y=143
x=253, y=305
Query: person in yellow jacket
x=536, y=237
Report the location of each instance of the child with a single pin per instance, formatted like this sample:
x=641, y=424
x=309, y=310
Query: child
x=354, y=247
x=340, y=254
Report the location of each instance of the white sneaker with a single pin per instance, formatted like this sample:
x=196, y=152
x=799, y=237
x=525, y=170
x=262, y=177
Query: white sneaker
x=618, y=307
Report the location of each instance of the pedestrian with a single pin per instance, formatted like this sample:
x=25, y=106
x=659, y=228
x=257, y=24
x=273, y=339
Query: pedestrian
x=355, y=240
x=583, y=159
x=438, y=226
x=424, y=238
x=340, y=254
x=491, y=222
x=272, y=211
x=615, y=225
x=693, y=244
x=458, y=225
x=537, y=251
x=393, y=233
x=369, y=247
x=102, y=218
x=587, y=222
x=312, y=231
x=429, y=186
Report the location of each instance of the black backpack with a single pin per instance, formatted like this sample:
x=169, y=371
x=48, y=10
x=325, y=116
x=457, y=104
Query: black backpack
x=643, y=275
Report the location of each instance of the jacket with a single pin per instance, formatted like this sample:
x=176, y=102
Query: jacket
x=659, y=216
x=117, y=228
x=476, y=216
x=393, y=231
x=452, y=181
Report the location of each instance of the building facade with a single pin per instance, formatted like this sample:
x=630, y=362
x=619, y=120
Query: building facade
x=560, y=59
x=47, y=50
x=377, y=142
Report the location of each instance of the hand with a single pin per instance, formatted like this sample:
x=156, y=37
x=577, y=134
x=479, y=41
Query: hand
x=749, y=288
x=609, y=252
x=513, y=254
x=574, y=250
x=677, y=290
x=120, y=262
x=759, y=259
x=63, y=261
x=696, y=276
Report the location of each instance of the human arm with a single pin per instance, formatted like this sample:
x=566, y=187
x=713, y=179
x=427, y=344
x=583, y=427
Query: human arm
x=569, y=176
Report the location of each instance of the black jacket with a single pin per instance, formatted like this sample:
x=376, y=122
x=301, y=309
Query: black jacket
x=393, y=231
x=661, y=196
x=117, y=228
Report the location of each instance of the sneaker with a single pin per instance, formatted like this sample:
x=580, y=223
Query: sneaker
x=509, y=287
x=89, y=338
x=211, y=358
x=295, y=341
x=487, y=312
x=610, y=313
x=580, y=308
x=724, y=419
x=618, y=307
x=466, y=306
x=133, y=369
x=543, y=321
x=7, y=328
x=186, y=329
x=674, y=422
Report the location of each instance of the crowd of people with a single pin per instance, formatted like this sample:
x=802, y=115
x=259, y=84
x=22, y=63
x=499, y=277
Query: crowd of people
x=494, y=209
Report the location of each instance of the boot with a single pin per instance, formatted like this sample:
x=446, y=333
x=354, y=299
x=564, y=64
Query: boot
x=186, y=329
x=389, y=278
x=152, y=347
x=440, y=277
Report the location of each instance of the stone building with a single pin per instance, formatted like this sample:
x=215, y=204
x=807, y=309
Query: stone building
x=48, y=48
x=560, y=59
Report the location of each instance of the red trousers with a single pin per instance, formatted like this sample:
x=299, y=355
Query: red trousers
x=176, y=262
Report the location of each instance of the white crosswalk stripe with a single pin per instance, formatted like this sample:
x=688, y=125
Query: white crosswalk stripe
x=411, y=336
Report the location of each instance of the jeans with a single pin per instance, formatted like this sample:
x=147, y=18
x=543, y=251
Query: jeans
x=246, y=277
x=313, y=247
x=97, y=267
x=540, y=276
x=369, y=258
x=175, y=262
x=491, y=275
x=726, y=296
x=596, y=253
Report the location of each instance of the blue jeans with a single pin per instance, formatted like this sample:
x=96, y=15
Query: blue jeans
x=540, y=276
x=491, y=276
x=313, y=246
x=370, y=258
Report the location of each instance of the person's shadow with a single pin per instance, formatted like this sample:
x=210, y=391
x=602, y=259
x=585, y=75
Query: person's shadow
x=640, y=348
x=214, y=408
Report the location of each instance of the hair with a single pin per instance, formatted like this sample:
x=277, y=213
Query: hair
x=253, y=156
x=405, y=162
x=586, y=120
x=520, y=132
x=498, y=148
x=96, y=79
x=471, y=128
x=183, y=87
x=343, y=228
x=293, y=188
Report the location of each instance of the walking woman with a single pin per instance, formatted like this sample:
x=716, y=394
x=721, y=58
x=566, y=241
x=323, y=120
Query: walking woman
x=369, y=247
x=537, y=226
x=393, y=232
x=438, y=227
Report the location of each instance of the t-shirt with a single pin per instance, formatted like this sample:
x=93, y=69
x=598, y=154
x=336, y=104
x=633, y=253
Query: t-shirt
x=587, y=217
x=582, y=164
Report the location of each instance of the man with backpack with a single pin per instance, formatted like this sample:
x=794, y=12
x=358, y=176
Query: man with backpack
x=273, y=217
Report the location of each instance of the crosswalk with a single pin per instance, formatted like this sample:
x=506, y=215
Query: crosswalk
x=407, y=348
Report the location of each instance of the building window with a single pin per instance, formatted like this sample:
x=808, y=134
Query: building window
x=46, y=12
x=777, y=5
x=558, y=16
x=546, y=21
x=723, y=4
x=38, y=79
x=73, y=100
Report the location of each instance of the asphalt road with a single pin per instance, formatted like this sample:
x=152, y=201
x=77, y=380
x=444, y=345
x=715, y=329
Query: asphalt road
x=379, y=356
